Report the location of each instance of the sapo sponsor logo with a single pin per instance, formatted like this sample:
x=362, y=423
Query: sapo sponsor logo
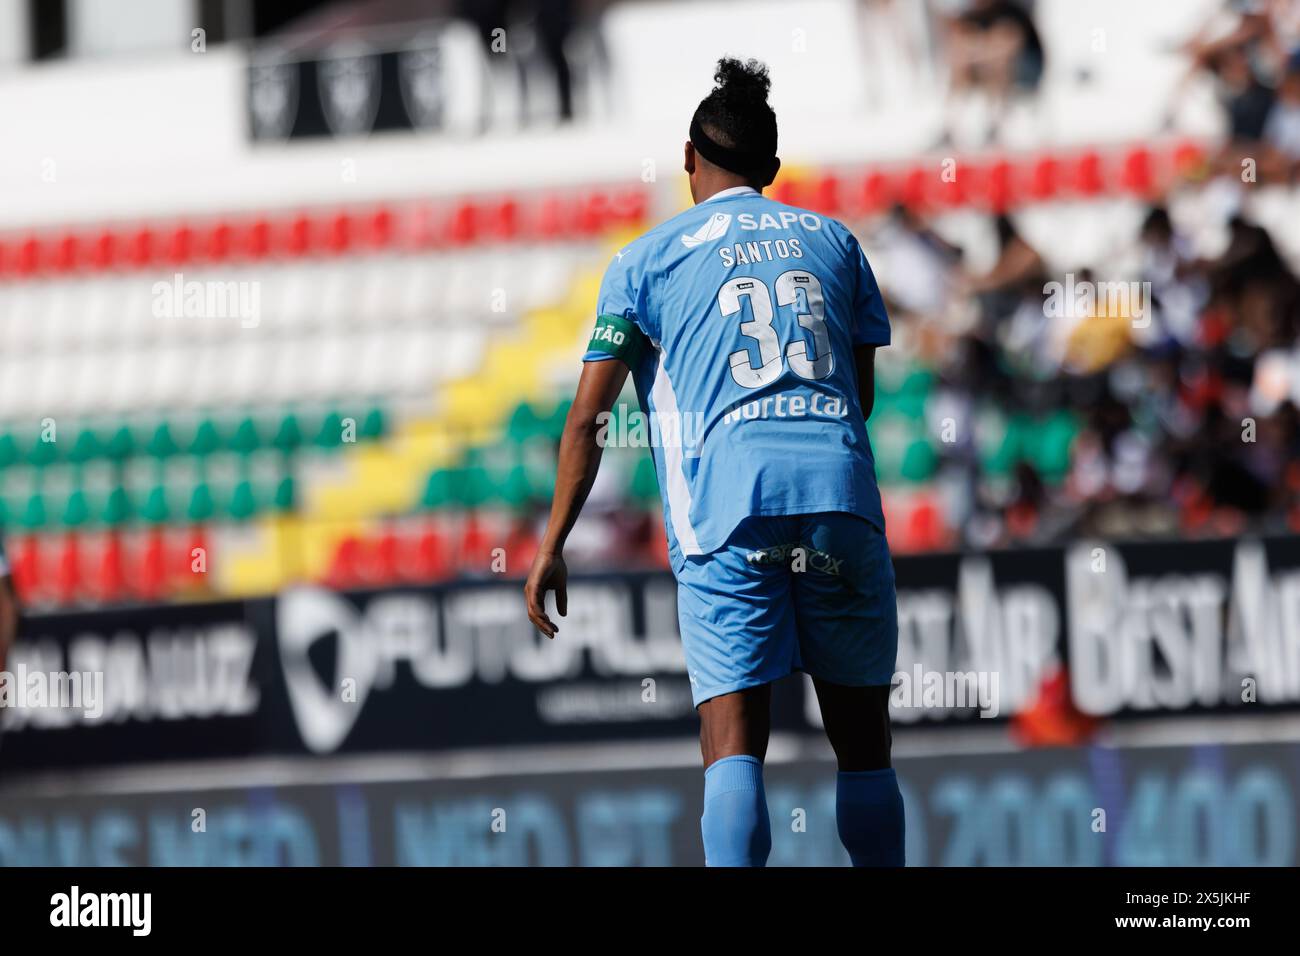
x=74, y=908
x=785, y=219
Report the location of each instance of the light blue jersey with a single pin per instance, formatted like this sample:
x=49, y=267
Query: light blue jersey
x=738, y=319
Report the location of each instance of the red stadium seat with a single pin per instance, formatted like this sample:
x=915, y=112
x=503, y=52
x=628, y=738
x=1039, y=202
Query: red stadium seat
x=218, y=245
x=298, y=236
x=388, y=551
x=104, y=250
x=462, y=227
x=999, y=186
x=67, y=570
x=1087, y=174
x=503, y=220
x=430, y=558
x=826, y=196
x=151, y=582
x=1137, y=176
x=550, y=219
x=67, y=253
x=109, y=581
x=27, y=570
x=474, y=550
x=180, y=246
x=1044, y=180
x=347, y=570
x=142, y=249
x=915, y=193
x=338, y=239
x=878, y=191
x=255, y=239
x=28, y=261
x=379, y=228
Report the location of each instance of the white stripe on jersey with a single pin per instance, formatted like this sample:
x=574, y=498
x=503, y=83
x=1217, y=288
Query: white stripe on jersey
x=679, y=492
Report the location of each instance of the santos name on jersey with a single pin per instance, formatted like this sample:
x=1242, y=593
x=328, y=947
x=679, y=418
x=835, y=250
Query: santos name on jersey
x=738, y=319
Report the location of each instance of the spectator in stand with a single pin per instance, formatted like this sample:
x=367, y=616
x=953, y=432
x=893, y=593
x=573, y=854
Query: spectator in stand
x=8, y=613
x=1280, y=161
x=1179, y=291
x=993, y=49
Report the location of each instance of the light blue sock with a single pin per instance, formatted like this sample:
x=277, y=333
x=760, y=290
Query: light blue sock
x=735, y=825
x=869, y=816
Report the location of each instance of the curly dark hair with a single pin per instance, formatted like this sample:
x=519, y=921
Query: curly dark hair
x=736, y=114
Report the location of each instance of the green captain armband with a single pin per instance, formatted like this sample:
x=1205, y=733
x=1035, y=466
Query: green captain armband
x=616, y=336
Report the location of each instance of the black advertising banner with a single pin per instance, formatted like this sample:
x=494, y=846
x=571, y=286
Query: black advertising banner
x=1125, y=630
x=1215, y=806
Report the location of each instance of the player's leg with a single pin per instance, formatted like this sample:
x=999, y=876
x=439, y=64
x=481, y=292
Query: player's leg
x=738, y=634
x=733, y=740
x=847, y=615
x=868, y=804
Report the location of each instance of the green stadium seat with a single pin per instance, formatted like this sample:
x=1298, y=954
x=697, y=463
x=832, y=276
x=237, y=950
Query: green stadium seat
x=117, y=507
x=245, y=439
x=374, y=426
x=202, y=506
x=288, y=436
x=77, y=510
x=285, y=494
x=34, y=513
x=439, y=490
x=155, y=510
x=161, y=444
x=243, y=502
x=86, y=447
x=330, y=433
x=206, y=440
x=645, y=484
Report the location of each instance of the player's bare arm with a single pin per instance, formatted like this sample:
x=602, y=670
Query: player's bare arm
x=864, y=357
x=8, y=618
x=579, y=461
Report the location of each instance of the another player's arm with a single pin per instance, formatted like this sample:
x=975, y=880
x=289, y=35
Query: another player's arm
x=580, y=453
x=864, y=357
x=8, y=617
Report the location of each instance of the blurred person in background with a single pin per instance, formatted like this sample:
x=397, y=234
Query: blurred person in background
x=1280, y=161
x=993, y=50
x=537, y=36
x=8, y=620
x=1178, y=290
x=8, y=608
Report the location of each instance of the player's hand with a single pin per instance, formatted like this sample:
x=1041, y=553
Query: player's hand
x=548, y=573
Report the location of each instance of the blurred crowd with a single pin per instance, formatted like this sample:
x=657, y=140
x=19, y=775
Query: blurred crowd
x=1185, y=394
x=1181, y=399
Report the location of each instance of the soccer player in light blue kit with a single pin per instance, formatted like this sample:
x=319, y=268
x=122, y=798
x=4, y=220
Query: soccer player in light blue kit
x=750, y=330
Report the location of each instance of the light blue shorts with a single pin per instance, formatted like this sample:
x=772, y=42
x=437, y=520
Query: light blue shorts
x=786, y=593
